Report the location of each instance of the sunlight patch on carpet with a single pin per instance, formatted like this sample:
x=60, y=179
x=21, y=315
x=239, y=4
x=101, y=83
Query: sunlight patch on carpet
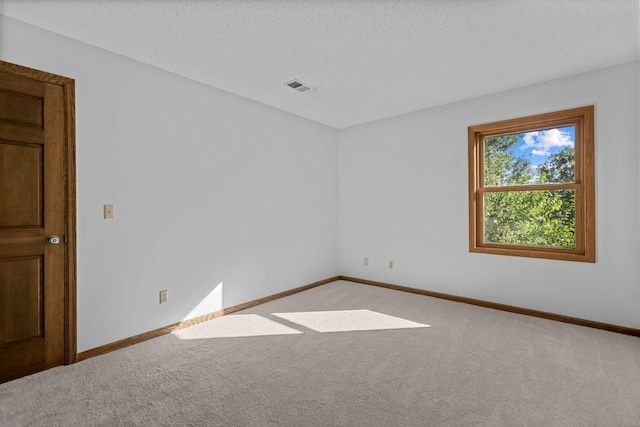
x=348, y=320
x=235, y=325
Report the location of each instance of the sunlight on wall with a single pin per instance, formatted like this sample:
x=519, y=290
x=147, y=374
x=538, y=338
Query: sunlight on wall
x=212, y=302
x=348, y=320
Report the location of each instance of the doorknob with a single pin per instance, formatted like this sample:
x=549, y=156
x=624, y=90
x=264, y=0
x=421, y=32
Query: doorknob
x=53, y=240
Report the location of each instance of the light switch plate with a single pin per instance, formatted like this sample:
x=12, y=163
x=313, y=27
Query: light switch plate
x=109, y=212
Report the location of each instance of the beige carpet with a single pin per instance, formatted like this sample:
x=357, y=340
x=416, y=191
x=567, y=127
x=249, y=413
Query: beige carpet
x=346, y=354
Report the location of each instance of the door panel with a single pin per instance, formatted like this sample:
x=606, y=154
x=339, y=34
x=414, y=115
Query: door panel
x=21, y=196
x=32, y=207
x=22, y=109
x=21, y=296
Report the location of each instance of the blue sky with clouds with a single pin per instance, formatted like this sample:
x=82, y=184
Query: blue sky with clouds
x=539, y=145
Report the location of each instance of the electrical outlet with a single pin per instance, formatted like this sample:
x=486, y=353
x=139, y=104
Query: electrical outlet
x=366, y=262
x=164, y=297
x=392, y=264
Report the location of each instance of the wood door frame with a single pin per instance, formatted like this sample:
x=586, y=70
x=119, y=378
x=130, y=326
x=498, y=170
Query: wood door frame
x=70, y=274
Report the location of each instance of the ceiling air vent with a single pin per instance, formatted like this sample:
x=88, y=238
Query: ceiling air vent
x=299, y=86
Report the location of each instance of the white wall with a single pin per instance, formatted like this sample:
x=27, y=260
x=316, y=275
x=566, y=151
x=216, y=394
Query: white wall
x=219, y=199
x=404, y=189
x=223, y=200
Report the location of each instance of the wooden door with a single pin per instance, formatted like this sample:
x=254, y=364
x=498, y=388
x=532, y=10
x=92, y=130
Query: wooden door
x=34, y=272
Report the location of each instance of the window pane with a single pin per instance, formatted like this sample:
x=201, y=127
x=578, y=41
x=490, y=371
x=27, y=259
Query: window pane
x=544, y=156
x=532, y=218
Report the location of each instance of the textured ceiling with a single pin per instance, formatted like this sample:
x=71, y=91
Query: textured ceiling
x=368, y=59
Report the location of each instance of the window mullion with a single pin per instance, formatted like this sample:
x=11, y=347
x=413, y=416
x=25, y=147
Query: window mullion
x=530, y=187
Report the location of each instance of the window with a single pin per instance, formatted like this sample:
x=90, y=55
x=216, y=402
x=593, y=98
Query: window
x=532, y=186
